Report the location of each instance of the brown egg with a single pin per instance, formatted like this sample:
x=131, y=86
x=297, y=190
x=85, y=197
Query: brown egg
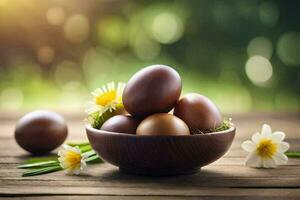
x=41, y=131
x=162, y=124
x=154, y=89
x=121, y=124
x=198, y=112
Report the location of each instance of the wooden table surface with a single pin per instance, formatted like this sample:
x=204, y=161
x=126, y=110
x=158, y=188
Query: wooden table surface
x=226, y=178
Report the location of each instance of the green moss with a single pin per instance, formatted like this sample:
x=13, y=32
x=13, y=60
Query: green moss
x=226, y=124
x=96, y=120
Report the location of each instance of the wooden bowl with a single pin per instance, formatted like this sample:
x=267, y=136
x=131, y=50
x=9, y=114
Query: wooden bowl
x=160, y=155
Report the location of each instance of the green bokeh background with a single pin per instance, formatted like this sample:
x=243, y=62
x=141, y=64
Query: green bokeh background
x=244, y=55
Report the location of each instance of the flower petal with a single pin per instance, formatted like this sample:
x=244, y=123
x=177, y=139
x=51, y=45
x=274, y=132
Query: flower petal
x=256, y=137
x=252, y=160
x=266, y=131
x=283, y=147
x=278, y=136
x=67, y=147
x=248, y=146
x=77, y=150
x=61, y=153
x=85, y=155
x=280, y=158
x=269, y=163
x=73, y=172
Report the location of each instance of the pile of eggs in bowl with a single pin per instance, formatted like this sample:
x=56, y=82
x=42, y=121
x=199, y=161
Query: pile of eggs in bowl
x=152, y=100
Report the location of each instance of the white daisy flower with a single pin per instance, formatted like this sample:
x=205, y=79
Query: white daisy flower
x=72, y=160
x=106, y=98
x=266, y=149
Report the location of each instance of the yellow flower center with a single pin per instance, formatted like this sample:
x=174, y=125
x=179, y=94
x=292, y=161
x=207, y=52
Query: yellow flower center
x=106, y=98
x=266, y=148
x=73, y=159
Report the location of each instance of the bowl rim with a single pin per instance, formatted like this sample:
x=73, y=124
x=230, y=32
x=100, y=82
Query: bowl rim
x=89, y=128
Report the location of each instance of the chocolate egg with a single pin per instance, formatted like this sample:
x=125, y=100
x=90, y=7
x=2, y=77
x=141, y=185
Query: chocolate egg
x=154, y=89
x=41, y=131
x=121, y=124
x=198, y=112
x=162, y=124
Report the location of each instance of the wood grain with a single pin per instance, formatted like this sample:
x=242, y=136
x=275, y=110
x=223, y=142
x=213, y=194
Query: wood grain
x=116, y=197
x=227, y=178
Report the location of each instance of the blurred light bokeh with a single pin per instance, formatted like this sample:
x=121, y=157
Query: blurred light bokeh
x=244, y=55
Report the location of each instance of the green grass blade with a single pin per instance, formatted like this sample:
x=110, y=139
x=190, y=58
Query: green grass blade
x=42, y=171
x=94, y=159
x=78, y=143
x=85, y=148
x=293, y=154
x=41, y=159
x=39, y=164
x=89, y=153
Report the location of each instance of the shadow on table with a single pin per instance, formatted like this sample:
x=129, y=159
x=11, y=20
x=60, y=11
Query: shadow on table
x=205, y=177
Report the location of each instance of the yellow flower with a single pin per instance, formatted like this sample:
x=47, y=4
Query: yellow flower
x=106, y=98
x=72, y=160
x=266, y=149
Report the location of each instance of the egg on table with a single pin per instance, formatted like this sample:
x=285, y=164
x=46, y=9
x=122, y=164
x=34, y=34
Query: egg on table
x=41, y=131
x=154, y=89
x=162, y=124
x=121, y=124
x=198, y=112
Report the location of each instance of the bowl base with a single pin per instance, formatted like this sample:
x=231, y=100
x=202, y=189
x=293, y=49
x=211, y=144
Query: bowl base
x=158, y=172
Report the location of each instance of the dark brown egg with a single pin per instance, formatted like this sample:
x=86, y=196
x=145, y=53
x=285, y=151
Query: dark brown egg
x=121, y=124
x=162, y=124
x=154, y=89
x=41, y=131
x=198, y=112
